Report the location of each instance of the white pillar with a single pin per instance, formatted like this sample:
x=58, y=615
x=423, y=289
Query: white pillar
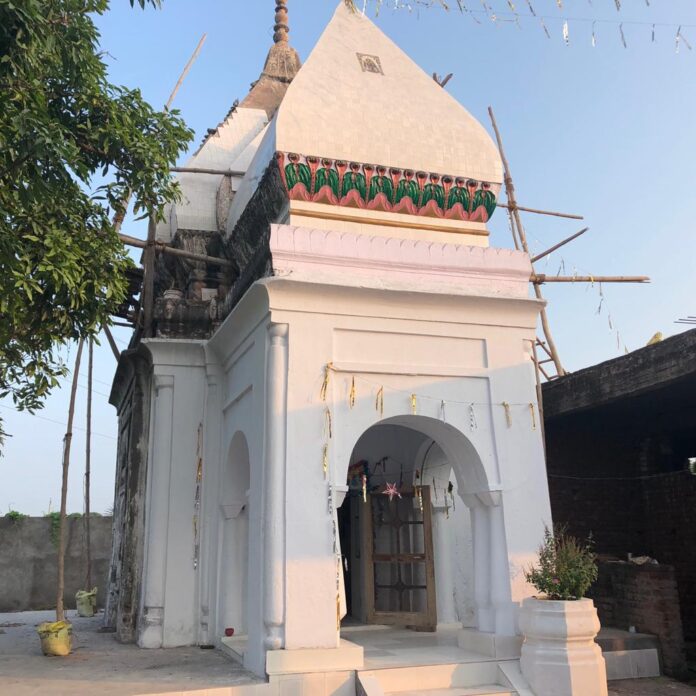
x=482, y=548
x=274, y=484
x=157, y=513
x=444, y=578
x=500, y=573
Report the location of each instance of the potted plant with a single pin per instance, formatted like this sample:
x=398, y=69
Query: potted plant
x=559, y=655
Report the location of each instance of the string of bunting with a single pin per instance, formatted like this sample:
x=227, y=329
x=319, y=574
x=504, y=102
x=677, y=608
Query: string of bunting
x=512, y=15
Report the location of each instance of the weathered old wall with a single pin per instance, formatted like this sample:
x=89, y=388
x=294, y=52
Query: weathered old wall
x=28, y=561
x=643, y=596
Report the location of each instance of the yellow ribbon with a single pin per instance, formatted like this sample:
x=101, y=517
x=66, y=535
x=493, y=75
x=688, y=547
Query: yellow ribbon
x=414, y=404
x=351, y=396
x=325, y=384
x=508, y=415
x=328, y=429
x=531, y=409
x=325, y=460
x=379, y=401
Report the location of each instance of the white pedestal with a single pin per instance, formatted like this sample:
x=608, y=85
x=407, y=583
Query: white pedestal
x=559, y=655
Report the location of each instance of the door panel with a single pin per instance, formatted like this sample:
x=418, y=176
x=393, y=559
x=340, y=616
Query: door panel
x=399, y=578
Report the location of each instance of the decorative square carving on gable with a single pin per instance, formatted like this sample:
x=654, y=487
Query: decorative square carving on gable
x=370, y=63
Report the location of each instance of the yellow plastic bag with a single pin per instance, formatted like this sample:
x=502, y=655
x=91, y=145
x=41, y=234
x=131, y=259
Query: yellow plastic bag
x=56, y=638
x=86, y=602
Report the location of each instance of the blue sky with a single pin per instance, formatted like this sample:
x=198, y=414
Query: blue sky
x=605, y=132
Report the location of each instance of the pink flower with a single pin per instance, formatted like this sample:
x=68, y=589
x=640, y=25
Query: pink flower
x=556, y=581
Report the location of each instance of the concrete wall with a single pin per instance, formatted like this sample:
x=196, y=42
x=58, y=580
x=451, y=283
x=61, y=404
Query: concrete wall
x=28, y=562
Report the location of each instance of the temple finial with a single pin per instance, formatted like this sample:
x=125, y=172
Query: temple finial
x=281, y=28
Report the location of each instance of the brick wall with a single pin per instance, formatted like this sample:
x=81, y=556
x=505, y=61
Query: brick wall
x=643, y=596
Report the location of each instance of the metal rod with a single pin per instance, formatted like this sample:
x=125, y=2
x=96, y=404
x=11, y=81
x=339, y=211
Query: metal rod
x=539, y=278
x=88, y=465
x=559, y=245
x=511, y=206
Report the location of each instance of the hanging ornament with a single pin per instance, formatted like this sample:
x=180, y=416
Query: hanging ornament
x=450, y=490
x=363, y=479
x=623, y=36
x=379, y=401
x=531, y=410
x=443, y=415
x=594, y=37
x=414, y=404
x=566, y=33
x=419, y=497
x=444, y=490
x=472, y=417
x=511, y=5
x=653, y=33
x=328, y=429
x=618, y=5
x=351, y=395
x=391, y=490
x=560, y=4
x=325, y=460
x=545, y=28
x=531, y=9
x=325, y=384
x=508, y=415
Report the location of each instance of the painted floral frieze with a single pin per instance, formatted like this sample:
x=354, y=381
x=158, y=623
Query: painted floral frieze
x=386, y=189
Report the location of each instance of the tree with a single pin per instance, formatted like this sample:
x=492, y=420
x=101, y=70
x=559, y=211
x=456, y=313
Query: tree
x=64, y=128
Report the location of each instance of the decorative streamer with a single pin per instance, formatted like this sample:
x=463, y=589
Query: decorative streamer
x=594, y=37
x=363, y=478
x=682, y=39
x=444, y=491
x=618, y=5
x=508, y=415
x=531, y=9
x=511, y=5
x=560, y=4
x=623, y=36
x=531, y=410
x=545, y=28
x=566, y=33
x=653, y=33
x=328, y=426
x=472, y=417
x=351, y=396
x=450, y=490
x=337, y=557
x=325, y=384
x=325, y=460
x=379, y=401
x=414, y=404
x=435, y=489
x=419, y=496
x=443, y=414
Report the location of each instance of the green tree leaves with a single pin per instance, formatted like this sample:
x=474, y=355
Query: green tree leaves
x=63, y=128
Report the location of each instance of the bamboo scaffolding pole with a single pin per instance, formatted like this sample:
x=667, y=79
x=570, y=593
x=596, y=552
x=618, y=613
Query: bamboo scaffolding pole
x=160, y=246
x=550, y=250
x=205, y=170
x=185, y=71
x=539, y=393
x=513, y=206
x=540, y=278
x=510, y=189
x=112, y=342
x=67, y=440
x=88, y=466
x=147, y=294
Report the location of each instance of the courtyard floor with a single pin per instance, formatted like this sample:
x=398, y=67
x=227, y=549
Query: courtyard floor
x=100, y=666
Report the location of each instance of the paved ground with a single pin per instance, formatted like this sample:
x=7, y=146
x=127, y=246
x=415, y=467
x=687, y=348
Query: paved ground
x=650, y=687
x=100, y=666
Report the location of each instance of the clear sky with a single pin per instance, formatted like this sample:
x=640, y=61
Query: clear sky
x=606, y=132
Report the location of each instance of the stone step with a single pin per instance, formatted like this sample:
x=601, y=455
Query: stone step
x=480, y=678
x=485, y=690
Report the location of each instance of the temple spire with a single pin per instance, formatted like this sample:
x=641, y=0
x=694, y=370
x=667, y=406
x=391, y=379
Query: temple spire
x=281, y=28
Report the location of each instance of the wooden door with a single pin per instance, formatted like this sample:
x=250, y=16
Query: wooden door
x=399, y=574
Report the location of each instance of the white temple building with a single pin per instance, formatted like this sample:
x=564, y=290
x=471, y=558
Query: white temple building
x=339, y=442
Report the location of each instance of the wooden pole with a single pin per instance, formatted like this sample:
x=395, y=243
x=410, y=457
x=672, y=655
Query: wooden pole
x=205, y=170
x=67, y=440
x=540, y=395
x=160, y=246
x=148, y=291
x=540, y=278
x=112, y=342
x=510, y=189
x=559, y=245
x=510, y=206
x=184, y=72
x=88, y=465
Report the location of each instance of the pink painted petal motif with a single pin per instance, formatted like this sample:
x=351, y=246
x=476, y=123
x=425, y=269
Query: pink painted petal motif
x=392, y=491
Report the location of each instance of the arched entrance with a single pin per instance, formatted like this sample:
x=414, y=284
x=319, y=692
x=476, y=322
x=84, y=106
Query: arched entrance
x=233, y=578
x=430, y=556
